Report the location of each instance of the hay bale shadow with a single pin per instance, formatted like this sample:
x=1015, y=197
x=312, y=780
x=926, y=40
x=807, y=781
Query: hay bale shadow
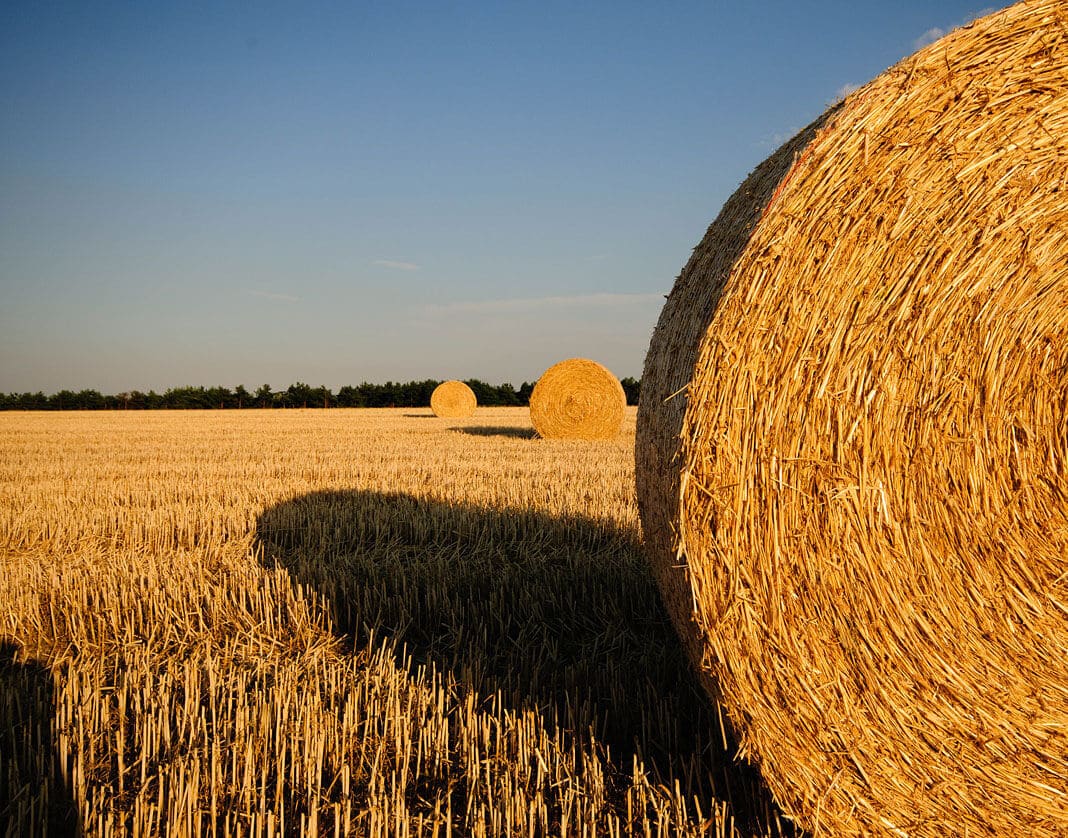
x=498, y=430
x=34, y=798
x=560, y=615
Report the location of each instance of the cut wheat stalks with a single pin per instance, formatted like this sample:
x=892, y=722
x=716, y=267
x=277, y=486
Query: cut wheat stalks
x=453, y=400
x=577, y=399
x=852, y=447
x=204, y=614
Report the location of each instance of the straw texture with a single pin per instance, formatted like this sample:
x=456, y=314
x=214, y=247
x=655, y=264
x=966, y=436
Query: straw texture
x=669, y=366
x=453, y=400
x=577, y=399
x=857, y=504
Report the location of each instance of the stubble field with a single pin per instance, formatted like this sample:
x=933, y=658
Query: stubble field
x=341, y=622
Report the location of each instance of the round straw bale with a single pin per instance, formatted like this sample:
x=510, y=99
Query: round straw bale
x=577, y=399
x=453, y=400
x=852, y=449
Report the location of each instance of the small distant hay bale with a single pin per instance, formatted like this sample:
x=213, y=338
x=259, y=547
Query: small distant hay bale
x=577, y=399
x=852, y=447
x=453, y=400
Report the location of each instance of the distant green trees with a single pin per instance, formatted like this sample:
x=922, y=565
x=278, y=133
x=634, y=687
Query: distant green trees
x=632, y=387
x=390, y=394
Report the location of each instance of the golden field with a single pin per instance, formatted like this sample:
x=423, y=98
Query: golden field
x=341, y=622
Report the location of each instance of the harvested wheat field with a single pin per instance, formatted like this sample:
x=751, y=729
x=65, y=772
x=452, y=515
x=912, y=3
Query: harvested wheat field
x=853, y=447
x=341, y=622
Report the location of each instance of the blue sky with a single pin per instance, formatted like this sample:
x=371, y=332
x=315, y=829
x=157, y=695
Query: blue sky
x=242, y=193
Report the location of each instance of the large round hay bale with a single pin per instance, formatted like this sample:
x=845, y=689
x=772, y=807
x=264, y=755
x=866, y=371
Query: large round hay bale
x=453, y=400
x=577, y=399
x=852, y=447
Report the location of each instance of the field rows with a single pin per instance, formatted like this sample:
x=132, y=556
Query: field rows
x=350, y=622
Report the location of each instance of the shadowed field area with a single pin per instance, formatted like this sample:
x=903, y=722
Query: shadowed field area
x=34, y=797
x=343, y=622
x=551, y=614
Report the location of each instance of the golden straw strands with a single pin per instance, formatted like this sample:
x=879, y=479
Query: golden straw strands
x=852, y=447
x=577, y=399
x=453, y=400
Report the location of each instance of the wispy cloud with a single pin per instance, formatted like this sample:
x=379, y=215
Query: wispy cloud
x=525, y=304
x=396, y=266
x=936, y=32
x=270, y=295
x=844, y=91
x=928, y=37
x=775, y=140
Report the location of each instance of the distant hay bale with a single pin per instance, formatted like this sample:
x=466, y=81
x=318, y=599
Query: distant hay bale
x=852, y=449
x=453, y=400
x=577, y=399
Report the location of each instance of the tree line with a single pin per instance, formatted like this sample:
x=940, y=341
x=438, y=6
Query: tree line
x=390, y=394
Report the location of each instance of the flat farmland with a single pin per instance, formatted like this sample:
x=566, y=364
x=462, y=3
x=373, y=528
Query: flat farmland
x=341, y=622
